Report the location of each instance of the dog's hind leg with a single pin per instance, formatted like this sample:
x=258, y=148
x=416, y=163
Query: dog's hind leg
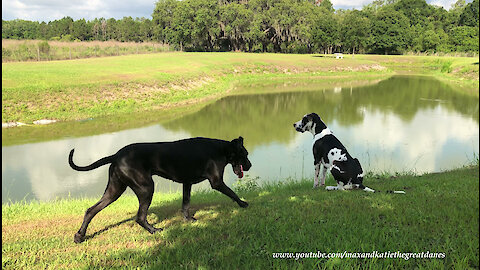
x=114, y=190
x=187, y=188
x=144, y=191
x=339, y=186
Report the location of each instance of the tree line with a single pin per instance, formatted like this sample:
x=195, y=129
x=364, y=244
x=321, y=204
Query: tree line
x=287, y=26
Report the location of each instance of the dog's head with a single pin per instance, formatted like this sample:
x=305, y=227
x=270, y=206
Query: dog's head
x=238, y=156
x=308, y=123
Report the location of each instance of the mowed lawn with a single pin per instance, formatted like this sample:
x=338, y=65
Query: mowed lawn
x=76, y=89
x=84, y=88
x=439, y=213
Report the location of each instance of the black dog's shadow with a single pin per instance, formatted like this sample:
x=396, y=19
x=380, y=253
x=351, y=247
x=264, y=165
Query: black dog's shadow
x=164, y=212
x=108, y=228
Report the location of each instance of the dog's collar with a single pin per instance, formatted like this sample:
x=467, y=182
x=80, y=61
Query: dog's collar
x=322, y=134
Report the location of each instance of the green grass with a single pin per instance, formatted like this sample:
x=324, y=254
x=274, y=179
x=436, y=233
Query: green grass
x=458, y=71
x=439, y=213
x=96, y=87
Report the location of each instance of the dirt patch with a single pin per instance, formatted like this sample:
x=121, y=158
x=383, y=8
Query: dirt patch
x=361, y=68
x=469, y=74
x=40, y=228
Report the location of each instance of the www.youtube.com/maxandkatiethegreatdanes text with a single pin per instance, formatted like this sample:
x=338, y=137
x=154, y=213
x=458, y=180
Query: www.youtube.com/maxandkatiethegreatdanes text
x=359, y=255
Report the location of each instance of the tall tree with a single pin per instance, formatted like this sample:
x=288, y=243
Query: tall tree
x=356, y=31
x=469, y=16
x=80, y=30
x=234, y=22
x=390, y=31
x=325, y=31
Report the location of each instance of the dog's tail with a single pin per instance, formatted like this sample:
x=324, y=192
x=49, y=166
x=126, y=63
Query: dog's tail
x=92, y=166
x=395, y=191
x=367, y=189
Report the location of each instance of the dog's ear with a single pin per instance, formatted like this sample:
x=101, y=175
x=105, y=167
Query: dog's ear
x=238, y=141
x=314, y=117
x=309, y=117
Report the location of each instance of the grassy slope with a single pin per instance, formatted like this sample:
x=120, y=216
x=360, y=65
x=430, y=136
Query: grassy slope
x=439, y=213
x=77, y=89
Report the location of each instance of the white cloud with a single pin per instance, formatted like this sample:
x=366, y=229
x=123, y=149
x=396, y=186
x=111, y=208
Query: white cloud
x=446, y=4
x=345, y=4
x=49, y=10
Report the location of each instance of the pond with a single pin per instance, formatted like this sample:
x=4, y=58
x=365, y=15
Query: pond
x=401, y=124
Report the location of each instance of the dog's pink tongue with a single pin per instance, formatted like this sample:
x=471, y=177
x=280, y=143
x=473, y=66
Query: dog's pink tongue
x=240, y=174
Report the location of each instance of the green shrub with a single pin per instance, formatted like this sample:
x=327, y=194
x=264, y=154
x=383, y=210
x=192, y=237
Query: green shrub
x=44, y=47
x=447, y=67
x=66, y=38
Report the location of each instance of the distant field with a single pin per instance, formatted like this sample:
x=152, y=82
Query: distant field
x=93, y=87
x=33, y=50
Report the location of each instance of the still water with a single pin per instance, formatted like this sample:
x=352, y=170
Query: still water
x=413, y=124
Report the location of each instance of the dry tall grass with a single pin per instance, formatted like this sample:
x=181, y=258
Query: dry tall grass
x=38, y=50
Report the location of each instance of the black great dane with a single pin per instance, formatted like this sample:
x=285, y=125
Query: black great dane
x=188, y=161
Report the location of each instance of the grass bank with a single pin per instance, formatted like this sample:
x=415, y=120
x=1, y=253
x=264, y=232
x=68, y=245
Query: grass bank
x=439, y=213
x=96, y=87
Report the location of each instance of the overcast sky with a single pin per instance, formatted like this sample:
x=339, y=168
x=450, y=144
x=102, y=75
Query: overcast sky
x=49, y=10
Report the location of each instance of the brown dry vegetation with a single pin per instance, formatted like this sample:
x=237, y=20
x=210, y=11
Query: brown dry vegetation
x=28, y=50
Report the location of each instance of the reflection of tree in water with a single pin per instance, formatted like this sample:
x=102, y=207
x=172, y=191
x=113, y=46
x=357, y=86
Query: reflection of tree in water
x=269, y=117
x=404, y=96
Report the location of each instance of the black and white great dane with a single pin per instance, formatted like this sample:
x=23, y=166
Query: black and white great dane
x=330, y=154
x=188, y=161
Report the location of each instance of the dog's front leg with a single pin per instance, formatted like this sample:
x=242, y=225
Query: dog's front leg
x=187, y=188
x=323, y=175
x=219, y=185
x=317, y=172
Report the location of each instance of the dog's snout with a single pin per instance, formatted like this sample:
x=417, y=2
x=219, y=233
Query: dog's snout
x=248, y=165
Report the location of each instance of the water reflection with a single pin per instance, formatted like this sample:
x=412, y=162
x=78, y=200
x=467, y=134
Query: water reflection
x=264, y=117
x=403, y=123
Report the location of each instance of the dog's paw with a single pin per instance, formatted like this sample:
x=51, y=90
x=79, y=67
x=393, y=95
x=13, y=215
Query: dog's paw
x=154, y=230
x=78, y=238
x=192, y=219
x=243, y=204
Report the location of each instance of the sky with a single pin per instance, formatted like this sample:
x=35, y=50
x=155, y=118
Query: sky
x=49, y=10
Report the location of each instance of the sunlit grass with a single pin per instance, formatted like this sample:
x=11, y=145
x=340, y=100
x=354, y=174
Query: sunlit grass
x=96, y=87
x=439, y=213
x=77, y=89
